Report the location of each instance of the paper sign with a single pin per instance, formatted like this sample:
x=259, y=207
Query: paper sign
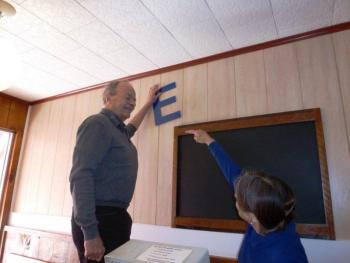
x=164, y=254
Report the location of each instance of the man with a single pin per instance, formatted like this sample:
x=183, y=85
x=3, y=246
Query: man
x=103, y=175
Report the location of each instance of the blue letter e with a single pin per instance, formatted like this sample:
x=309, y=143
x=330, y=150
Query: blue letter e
x=159, y=119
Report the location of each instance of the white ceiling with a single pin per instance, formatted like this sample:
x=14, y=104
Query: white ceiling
x=65, y=45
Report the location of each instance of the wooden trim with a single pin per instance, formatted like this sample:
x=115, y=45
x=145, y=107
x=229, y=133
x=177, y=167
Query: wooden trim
x=231, y=53
x=251, y=121
x=28, y=231
x=308, y=230
x=9, y=184
x=14, y=124
x=32, y=232
x=324, y=176
x=216, y=259
x=174, y=182
x=22, y=258
x=3, y=237
x=314, y=231
x=13, y=98
x=207, y=223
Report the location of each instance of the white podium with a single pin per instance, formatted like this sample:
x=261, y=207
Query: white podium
x=138, y=251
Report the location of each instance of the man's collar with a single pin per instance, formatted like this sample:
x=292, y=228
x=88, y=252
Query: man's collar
x=113, y=117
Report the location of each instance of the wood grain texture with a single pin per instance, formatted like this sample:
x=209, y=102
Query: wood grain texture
x=81, y=112
x=24, y=166
x=38, y=134
x=46, y=172
x=95, y=101
x=39, y=246
x=282, y=79
x=251, y=96
x=62, y=158
x=13, y=114
x=320, y=88
x=5, y=109
x=145, y=204
x=215, y=259
x=21, y=259
x=165, y=160
x=195, y=94
x=221, y=89
x=136, y=85
x=341, y=43
x=17, y=116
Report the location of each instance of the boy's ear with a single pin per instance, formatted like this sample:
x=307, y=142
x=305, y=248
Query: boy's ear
x=253, y=220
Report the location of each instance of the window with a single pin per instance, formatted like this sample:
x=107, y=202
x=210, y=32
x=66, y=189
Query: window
x=5, y=148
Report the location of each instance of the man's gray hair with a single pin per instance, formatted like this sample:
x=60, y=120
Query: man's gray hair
x=110, y=90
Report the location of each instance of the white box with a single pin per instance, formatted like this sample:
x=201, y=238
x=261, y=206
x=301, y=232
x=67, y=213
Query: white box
x=138, y=251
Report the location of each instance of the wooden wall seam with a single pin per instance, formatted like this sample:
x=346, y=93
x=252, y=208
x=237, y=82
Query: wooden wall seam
x=341, y=92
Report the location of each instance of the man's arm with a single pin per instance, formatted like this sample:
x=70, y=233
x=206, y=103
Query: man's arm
x=139, y=116
x=91, y=146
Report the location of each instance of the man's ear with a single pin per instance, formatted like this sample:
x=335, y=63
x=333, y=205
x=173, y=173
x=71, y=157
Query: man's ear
x=106, y=100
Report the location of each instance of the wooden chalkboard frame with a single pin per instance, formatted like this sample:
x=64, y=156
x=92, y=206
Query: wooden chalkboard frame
x=308, y=230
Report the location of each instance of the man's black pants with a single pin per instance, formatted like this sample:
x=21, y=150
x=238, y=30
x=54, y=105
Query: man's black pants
x=114, y=225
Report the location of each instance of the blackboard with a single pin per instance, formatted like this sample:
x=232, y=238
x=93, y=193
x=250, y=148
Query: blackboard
x=288, y=145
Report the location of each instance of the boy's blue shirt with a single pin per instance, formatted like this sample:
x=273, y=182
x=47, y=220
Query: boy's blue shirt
x=229, y=168
x=282, y=246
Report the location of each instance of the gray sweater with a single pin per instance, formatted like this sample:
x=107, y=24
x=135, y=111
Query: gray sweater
x=104, y=168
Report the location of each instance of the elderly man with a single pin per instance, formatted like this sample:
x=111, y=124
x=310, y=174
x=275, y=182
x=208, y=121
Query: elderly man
x=103, y=175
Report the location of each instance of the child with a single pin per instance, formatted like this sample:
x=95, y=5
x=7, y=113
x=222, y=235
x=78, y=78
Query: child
x=267, y=204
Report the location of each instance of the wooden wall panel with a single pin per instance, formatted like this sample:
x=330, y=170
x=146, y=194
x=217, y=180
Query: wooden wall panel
x=166, y=144
x=17, y=116
x=146, y=186
x=221, y=89
x=342, y=51
x=136, y=85
x=282, y=79
x=80, y=112
x=62, y=157
x=46, y=174
x=320, y=87
x=250, y=84
x=195, y=94
x=40, y=121
x=95, y=101
x=24, y=169
x=5, y=109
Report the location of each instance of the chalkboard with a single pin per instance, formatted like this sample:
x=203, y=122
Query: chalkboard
x=288, y=145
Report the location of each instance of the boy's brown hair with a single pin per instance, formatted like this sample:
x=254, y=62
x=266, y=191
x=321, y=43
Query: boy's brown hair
x=269, y=198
